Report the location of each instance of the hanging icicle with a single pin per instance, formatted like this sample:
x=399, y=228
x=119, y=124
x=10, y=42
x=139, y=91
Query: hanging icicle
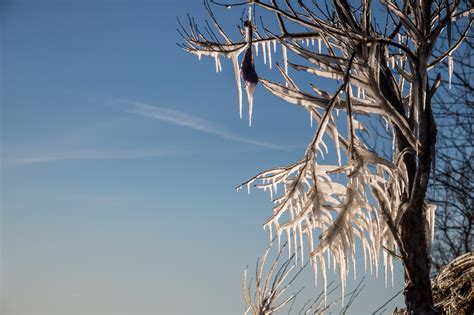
x=269, y=46
x=235, y=64
x=450, y=69
x=285, y=60
x=264, y=53
x=250, y=89
x=217, y=62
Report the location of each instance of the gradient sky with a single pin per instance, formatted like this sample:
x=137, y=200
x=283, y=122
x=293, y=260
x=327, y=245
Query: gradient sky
x=120, y=155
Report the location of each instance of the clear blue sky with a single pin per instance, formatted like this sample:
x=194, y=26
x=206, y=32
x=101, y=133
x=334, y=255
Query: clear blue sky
x=120, y=155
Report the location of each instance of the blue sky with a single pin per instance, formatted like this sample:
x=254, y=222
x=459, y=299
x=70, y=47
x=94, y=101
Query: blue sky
x=120, y=155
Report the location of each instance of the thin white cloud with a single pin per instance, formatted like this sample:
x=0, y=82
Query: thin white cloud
x=82, y=155
x=182, y=119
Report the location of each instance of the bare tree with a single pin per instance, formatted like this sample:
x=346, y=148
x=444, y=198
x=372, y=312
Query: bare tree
x=269, y=293
x=451, y=187
x=382, y=70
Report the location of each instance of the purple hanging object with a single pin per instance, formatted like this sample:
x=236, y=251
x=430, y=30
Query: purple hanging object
x=248, y=68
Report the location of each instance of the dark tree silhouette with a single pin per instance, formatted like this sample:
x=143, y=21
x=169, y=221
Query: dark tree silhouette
x=452, y=186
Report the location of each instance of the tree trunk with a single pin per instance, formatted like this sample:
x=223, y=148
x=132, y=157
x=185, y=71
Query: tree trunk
x=418, y=295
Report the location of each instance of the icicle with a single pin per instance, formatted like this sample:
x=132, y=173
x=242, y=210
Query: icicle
x=343, y=281
x=248, y=188
x=264, y=52
x=353, y=264
x=417, y=119
x=216, y=61
x=250, y=12
x=336, y=141
x=235, y=64
x=256, y=48
x=274, y=45
x=393, y=143
x=295, y=244
x=285, y=60
x=219, y=63
x=312, y=41
x=365, y=256
x=392, y=60
x=310, y=118
x=307, y=42
x=319, y=44
x=399, y=42
x=450, y=69
x=269, y=46
x=390, y=262
x=315, y=272
x=324, y=276
x=250, y=89
x=431, y=213
x=300, y=230
x=199, y=55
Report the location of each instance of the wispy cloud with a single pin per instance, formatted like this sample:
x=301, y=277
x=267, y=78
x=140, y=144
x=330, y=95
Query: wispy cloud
x=82, y=155
x=182, y=119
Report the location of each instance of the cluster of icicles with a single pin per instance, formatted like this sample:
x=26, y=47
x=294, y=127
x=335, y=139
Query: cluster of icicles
x=372, y=232
x=264, y=48
x=318, y=197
